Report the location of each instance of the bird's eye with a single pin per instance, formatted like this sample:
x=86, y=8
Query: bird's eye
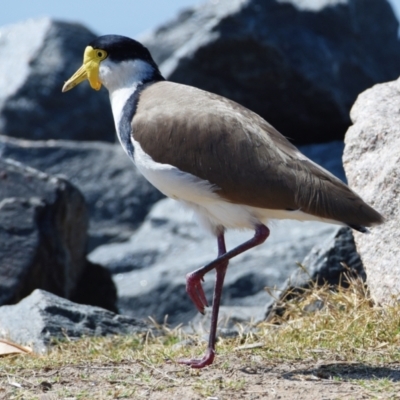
x=101, y=54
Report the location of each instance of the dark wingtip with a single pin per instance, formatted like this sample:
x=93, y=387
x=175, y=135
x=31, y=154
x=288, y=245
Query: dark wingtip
x=359, y=228
x=369, y=217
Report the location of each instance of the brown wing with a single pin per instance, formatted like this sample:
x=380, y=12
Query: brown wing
x=249, y=161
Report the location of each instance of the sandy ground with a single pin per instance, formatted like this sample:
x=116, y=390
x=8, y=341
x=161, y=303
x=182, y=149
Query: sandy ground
x=308, y=380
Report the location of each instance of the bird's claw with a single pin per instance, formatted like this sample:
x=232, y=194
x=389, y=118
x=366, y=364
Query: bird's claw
x=195, y=291
x=207, y=359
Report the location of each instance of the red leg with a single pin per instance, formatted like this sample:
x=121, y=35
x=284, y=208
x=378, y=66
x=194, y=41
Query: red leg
x=193, y=280
x=196, y=293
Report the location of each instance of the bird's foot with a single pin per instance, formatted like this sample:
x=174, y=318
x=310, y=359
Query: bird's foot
x=195, y=291
x=207, y=359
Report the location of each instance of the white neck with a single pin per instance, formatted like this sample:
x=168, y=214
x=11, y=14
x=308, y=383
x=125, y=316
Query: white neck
x=122, y=79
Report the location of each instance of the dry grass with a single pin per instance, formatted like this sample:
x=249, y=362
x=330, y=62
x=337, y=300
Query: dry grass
x=349, y=325
x=347, y=341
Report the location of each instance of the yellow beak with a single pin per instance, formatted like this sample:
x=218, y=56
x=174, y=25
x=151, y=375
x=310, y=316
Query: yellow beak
x=89, y=70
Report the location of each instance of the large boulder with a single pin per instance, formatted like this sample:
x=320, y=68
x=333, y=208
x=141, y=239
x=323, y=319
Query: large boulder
x=36, y=57
x=149, y=270
x=372, y=160
x=298, y=63
x=42, y=318
x=43, y=224
x=117, y=195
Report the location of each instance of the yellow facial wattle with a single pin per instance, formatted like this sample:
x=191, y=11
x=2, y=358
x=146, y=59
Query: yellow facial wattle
x=89, y=69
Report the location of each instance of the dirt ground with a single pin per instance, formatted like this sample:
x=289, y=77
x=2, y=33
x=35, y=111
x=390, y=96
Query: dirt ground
x=308, y=380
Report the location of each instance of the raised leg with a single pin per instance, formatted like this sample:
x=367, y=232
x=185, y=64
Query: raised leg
x=196, y=293
x=194, y=279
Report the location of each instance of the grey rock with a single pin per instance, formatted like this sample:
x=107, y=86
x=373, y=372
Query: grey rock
x=372, y=160
x=43, y=224
x=36, y=57
x=169, y=245
x=42, y=317
x=298, y=63
x=334, y=262
x=117, y=195
x=328, y=262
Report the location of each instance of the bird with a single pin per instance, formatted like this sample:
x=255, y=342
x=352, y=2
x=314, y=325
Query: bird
x=220, y=159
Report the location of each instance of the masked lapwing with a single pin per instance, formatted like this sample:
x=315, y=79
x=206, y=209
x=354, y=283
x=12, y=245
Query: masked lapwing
x=217, y=157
